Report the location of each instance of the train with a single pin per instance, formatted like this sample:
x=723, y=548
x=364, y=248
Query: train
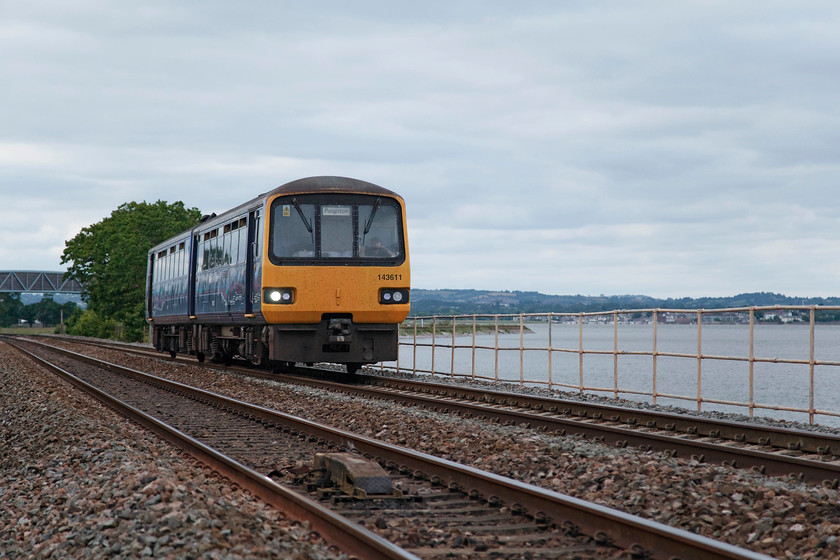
x=315, y=270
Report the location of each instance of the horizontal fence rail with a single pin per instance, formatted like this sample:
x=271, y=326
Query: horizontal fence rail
x=719, y=358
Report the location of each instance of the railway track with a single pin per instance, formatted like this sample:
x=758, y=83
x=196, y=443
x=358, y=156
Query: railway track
x=808, y=455
x=490, y=515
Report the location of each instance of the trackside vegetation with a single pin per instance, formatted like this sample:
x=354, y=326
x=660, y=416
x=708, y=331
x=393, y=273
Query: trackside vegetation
x=109, y=259
x=45, y=313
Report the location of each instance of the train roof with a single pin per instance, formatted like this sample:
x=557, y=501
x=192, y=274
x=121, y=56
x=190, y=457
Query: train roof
x=329, y=184
x=321, y=184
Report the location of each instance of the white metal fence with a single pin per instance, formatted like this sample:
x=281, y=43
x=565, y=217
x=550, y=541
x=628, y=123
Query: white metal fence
x=721, y=358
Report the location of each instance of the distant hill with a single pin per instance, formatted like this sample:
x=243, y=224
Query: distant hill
x=468, y=302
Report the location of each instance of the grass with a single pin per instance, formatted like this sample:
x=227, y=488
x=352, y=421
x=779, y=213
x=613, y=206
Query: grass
x=27, y=330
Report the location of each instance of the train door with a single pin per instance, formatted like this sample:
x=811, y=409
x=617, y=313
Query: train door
x=254, y=264
x=149, y=287
x=192, y=273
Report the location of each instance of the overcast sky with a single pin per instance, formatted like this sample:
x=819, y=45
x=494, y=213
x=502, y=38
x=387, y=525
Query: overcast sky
x=669, y=148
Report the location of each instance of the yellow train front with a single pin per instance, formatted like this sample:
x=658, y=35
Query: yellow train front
x=316, y=270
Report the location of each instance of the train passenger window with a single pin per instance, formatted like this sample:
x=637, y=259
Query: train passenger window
x=243, y=242
x=234, y=245
x=199, y=255
x=182, y=259
x=208, y=254
x=214, y=251
x=224, y=247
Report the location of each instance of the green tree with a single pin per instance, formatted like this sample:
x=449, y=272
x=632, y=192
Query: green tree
x=47, y=311
x=11, y=308
x=109, y=259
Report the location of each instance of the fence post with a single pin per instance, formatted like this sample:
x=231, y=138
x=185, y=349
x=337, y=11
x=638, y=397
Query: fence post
x=752, y=360
x=399, y=344
x=811, y=370
x=699, y=358
x=521, y=349
x=434, y=348
x=473, y=349
x=580, y=351
x=655, y=325
x=615, y=354
x=452, y=364
x=414, y=351
x=496, y=346
x=550, y=317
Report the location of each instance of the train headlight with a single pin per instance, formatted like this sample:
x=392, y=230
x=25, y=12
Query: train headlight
x=279, y=295
x=393, y=295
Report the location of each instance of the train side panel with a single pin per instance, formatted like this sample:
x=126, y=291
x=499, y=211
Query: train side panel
x=169, y=278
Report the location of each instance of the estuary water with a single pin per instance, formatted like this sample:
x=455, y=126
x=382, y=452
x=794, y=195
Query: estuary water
x=773, y=384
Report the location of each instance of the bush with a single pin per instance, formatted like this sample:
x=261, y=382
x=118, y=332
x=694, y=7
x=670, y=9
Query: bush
x=88, y=323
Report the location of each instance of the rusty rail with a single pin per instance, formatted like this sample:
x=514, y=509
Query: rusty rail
x=608, y=525
x=335, y=529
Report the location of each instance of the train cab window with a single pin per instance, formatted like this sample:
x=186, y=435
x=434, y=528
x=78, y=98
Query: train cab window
x=379, y=231
x=294, y=234
x=355, y=229
x=336, y=231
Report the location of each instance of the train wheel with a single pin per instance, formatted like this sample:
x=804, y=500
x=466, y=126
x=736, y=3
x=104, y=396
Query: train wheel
x=173, y=354
x=353, y=367
x=200, y=357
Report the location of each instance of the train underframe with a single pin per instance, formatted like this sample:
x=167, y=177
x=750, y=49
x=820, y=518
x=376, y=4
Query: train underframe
x=279, y=346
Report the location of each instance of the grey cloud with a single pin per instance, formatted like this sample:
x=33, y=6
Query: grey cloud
x=668, y=149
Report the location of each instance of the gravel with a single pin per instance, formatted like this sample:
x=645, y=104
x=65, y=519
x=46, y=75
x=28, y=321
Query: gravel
x=780, y=517
x=81, y=482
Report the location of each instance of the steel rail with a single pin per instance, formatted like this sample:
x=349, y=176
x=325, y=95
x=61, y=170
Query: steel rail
x=337, y=530
x=745, y=432
x=642, y=536
x=775, y=464
x=771, y=463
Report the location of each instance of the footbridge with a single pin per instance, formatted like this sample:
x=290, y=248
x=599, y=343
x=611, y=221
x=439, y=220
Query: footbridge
x=38, y=282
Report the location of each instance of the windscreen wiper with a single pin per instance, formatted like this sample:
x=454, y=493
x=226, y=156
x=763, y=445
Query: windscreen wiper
x=302, y=217
x=372, y=214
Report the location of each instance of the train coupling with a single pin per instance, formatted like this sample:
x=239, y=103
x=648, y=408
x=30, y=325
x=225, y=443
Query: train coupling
x=339, y=330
